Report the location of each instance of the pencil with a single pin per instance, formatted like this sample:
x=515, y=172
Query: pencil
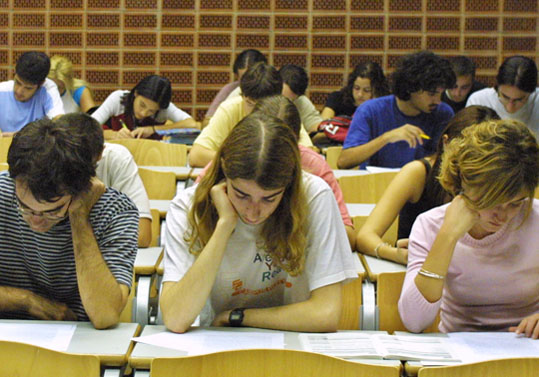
x=423, y=136
x=123, y=124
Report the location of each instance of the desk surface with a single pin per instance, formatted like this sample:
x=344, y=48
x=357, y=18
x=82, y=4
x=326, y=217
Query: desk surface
x=182, y=172
x=112, y=346
x=147, y=260
x=142, y=354
x=375, y=266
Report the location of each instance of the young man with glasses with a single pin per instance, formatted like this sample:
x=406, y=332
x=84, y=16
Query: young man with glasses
x=515, y=95
x=67, y=243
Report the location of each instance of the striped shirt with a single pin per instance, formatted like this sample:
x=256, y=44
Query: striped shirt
x=44, y=263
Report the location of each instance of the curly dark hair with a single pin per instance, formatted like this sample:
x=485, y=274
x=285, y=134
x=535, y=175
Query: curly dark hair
x=368, y=70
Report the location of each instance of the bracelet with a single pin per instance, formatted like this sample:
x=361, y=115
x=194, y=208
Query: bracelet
x=378, y=247
x=431, y=274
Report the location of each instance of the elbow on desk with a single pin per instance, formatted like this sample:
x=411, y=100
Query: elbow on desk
x=105, y=322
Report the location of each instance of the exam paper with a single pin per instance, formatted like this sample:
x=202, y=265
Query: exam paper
x=201, y=341
x=55, y=337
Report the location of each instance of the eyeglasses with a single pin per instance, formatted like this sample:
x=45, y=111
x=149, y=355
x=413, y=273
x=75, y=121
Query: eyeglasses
x=53, y=215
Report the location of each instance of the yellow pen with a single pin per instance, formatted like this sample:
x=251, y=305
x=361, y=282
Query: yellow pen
x=123, y=124
x=423, y=136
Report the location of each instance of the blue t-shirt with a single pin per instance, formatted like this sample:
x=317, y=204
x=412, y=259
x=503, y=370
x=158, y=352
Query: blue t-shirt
x=377, y=116
x=16, y=114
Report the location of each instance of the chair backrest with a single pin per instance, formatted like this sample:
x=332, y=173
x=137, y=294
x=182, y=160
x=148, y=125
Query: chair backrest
x=25, y=360
x=4, y=166
x=351, y=305
x=388, y=291
x=156, y=228
x=266, y=362
x=521, y=367
x=5, y=142
x=332, y=155
x=159, y=185
x=365, y=188
x=155, y=153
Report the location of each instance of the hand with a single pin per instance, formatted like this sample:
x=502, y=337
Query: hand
x=124, y=133
x=82, y=204
x=528, y=326
x=42, y=308
x=143, y=132
x=222, y=203
x=402, y=251
x=459, y=218
x=221, y=319
x=407, y=133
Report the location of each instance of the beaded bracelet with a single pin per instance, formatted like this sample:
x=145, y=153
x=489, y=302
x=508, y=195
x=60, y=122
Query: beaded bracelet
x=378, y=247
x=431, y=274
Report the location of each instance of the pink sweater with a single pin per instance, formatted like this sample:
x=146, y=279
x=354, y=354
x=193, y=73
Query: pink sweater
x=491, y=284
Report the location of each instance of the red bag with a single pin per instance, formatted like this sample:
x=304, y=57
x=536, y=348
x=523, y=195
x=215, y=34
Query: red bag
x=336, y=128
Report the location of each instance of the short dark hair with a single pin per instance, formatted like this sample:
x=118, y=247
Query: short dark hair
x=154, y=87
x=518, y=71
x=422, y=70
x=33, y=67
x=247, y=58
x=261, y=80
x=51, y=159
x=88, y=128
x=462, y=66
x=295, y=77
x=282, y=108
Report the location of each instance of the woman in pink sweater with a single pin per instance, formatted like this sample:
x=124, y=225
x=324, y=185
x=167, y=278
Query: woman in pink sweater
x=476, y=259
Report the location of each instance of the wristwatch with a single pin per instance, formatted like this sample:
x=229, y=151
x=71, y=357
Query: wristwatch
x=235, y=318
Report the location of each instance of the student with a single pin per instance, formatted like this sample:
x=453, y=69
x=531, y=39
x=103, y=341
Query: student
x=414, y=190
x=475, y=259
x=366, y=81
x=261, y=80
x=261, y=241
x=393, y=130
x=465, y=85
x=67, y=244
x=312, y=162
x=295, y=82
x=116, y=168
x=515, y=95
x=30, y=95
x=76, y=94
x=136, y=113
x=243, y=61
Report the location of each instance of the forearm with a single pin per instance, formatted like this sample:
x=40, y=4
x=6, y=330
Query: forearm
x=180, y=302
x=200, y=156
x=102, y=296
x=14, y=299
x=354, y=156
x=437, y=262
x=320, y=313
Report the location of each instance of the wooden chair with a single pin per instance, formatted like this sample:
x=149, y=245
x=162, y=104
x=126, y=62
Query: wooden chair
x=4, y=166
x=332, y=155
x=521, y=367
x=25, y=360
x=351, y=305
x=156, y=228
x=159, y=185
x=155, y=153
x=265, y=363
x=5, y=142
x=366, y=188
x=388, y=291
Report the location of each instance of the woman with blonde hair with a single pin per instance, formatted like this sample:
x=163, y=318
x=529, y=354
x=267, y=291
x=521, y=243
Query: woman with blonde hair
x=76, y=94
x=257, y=242
x=414, y=190
x=475, y=259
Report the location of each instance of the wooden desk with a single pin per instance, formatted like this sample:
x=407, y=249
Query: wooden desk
x=161, y=205
x=112, y=346
x=375, y=266
x=182, y=172
x=348, y=172
x=142, y=355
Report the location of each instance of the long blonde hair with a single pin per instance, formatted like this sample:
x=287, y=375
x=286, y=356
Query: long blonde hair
x=498, y=159
x=62, y=69
x=263, y=149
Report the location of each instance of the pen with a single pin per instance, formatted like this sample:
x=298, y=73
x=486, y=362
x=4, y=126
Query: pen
x=423, y=136
x=123, y=124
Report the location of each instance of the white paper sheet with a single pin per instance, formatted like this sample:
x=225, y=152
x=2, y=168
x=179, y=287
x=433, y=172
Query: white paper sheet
x=480, y=346
x=201, y=341
x=54, y=337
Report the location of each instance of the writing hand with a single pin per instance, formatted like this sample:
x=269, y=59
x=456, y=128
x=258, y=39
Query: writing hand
x=529, y=326
x=124, y=133
x=408, y=133
x=142, y=132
